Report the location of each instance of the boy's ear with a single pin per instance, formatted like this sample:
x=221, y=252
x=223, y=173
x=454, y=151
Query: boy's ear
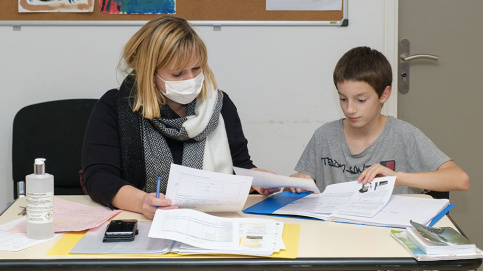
x=385, y=94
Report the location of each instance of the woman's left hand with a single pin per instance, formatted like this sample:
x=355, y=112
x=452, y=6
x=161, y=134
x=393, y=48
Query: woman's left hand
x=265, y=191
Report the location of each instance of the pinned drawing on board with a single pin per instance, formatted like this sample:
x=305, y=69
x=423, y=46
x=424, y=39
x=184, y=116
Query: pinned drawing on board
x=55, y=5
x=304, y=5
x=137, y=7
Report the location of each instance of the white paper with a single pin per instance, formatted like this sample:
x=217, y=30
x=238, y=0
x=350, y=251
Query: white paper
x=304, y=4
x=349, y=198
x=207, y=191
x=13, y=241
x=368, y=199
x=195, y=228
x=260, y=237
x=269, y=180
x=401, y=209
x=56, y=6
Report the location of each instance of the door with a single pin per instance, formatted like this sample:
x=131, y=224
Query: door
x=445, y=98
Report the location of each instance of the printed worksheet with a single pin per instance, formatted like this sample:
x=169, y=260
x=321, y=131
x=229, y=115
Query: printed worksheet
x=207, y=191
x=350, y=198
x=195, y=228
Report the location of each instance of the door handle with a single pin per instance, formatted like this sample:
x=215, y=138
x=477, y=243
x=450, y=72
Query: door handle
x=422, y=56
x=403, y=66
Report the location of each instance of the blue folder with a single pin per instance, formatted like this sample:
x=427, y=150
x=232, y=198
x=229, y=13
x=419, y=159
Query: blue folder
x=277, y=201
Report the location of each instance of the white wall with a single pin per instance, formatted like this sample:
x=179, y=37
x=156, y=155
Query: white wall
x=278, y=76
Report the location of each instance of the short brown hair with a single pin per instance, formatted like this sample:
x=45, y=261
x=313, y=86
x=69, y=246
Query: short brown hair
x=364, y=64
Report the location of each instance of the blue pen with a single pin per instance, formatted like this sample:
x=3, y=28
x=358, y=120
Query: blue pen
x=157, y=189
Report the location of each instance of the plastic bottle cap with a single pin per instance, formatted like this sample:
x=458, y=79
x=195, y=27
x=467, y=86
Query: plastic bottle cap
x=40, y=161
x=39, y=166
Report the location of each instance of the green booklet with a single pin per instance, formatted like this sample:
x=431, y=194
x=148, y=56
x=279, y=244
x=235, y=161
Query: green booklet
x=446, y=236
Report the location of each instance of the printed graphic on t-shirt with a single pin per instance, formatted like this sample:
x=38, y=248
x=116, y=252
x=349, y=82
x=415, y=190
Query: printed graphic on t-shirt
x=355, y=169
x=391, y=164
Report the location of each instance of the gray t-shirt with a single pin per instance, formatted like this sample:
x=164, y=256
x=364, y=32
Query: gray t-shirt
x=400, y=147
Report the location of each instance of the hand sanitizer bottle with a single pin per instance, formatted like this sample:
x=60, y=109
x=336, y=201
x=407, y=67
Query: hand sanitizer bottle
x=40, y=202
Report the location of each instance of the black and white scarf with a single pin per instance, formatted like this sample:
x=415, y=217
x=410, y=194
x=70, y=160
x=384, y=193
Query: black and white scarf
x=202, y=131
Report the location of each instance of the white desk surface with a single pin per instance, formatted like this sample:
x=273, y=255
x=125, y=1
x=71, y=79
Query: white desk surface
x=318, y=239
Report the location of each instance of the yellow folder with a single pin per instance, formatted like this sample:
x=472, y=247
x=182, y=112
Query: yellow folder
x=290, y=236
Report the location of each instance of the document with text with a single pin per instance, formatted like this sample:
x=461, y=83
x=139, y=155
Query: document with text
x=195, y=228
x=197, y=232
x=350, y=198
x=207, y=191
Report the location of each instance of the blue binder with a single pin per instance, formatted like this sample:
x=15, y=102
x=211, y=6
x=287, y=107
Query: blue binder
x=277, y=201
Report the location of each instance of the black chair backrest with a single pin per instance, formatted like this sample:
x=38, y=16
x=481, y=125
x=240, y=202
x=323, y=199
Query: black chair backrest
x=438, y=195
x=52, y=130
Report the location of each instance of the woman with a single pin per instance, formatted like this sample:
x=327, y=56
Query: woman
x=167, y=110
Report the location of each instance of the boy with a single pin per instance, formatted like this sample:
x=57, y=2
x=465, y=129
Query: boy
x=366, y=144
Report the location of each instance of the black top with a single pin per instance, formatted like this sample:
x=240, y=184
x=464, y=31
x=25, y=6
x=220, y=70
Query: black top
x=101, y=156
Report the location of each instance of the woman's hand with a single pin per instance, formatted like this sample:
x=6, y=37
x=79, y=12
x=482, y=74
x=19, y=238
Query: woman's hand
x=265, y=191
x=151, y=203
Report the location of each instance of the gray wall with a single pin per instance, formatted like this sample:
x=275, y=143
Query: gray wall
x=444, y=99
x=278, y=76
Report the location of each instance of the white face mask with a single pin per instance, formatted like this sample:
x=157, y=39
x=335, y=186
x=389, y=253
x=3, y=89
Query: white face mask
x=185, y=91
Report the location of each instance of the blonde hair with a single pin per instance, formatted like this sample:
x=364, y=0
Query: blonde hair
x=155, y=46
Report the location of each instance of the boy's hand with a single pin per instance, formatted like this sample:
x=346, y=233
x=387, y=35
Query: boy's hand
x=300, y=175
x=374, y=171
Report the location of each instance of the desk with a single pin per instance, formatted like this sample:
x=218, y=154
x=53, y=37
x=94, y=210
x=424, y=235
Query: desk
x=322, y=246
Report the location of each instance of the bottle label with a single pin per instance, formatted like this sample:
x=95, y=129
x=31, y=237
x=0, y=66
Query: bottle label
x=40, y=207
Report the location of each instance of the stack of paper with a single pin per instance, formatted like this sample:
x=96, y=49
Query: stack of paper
x=420, y=255
x=198, y=232
x=439, y=240
x=256, y=237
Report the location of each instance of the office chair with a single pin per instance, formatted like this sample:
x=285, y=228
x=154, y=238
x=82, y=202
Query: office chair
x=438, y=195
x=53, y=130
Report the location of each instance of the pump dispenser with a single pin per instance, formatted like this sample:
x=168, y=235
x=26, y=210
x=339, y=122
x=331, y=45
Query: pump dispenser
x=40, y=202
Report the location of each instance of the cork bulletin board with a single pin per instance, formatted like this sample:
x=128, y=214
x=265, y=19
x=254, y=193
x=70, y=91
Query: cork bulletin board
x=221, y=12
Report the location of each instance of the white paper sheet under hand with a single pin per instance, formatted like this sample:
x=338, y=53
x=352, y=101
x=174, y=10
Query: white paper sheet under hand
x=270, y=180
x=349, y=198
x=207, y=191
x=401, y=209
x=195, y=228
